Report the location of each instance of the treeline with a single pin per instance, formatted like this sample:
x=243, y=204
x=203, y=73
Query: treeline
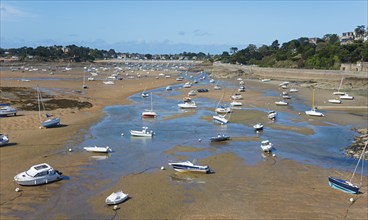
x=84, y=54
x=325, y=53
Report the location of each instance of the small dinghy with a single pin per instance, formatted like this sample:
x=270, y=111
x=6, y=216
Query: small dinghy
x=98, y=149
x=258, y=126
x=116, y=198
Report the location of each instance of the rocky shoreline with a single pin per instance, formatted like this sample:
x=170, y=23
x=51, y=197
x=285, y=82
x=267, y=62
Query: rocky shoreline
x=356, y=148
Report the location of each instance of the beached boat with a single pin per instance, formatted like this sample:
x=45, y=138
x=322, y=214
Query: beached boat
x=98, y=149
x=50, y=121
x=188, y=166
x=6, y=110
x=223, y=109
x=265, y=80
x=108, y=82
x=143, y=133
x=237, y=96
x=3, y=139
x=241, y=89
x=335, y=101
x=293, y=90
x=192, y=93
x=149, y=113
x=272, y=114
x=258, y=126
x=281, y=102
x=37, y=175
x=313, y=111
x=187, y=105
x=116, y=198
x=346, y=185
x=222, y=119
x=266, y=146
x=219, y=138
x=338, y=90
x=235, y=103
x=168, y=88
x=346, y=97
x=187, y=85
x=144, y=94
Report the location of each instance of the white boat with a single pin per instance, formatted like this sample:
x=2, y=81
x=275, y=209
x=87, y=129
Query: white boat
x=188, y=166
x=180, y=78
x=212, y=81
x=6, y=110
x=241, y=89
x=335, y=101
x=192, y=93
x=90, y=79
x=222, y=119
x=346, y=97
x=272, y=114
x=143, y=133
x=235, y=103
x=281, y=102
x=266, y=146
x=149, y=113
x=223, y=109
x=144, y=94
x=313, y=111
x=187, y=85
x=293, y=90
x=116, y=198
x=236, y=97
x=168, y=88
x=38, y=174
x=50, y=121
x=283, y=84
x=187, y=105
x=258, y=126
x=108, y=82
x=266, y=80
x=3, y=139
x=98, y=149
x=217, y=87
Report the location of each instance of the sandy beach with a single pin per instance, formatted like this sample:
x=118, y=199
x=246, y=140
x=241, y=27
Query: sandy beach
x=274, y=188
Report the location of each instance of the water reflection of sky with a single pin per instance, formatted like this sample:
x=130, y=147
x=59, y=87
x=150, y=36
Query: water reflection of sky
x=134, y=154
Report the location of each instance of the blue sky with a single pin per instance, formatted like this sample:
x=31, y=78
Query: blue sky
x=158, y=27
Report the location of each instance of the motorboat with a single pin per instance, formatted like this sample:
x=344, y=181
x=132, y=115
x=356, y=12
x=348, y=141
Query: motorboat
x=168, y=88
x=6, y=110
x=116, y=198
x=98, y=149
x=265, y=80
x=241, y=89
x=346, y=97
x=223, y=109
x=237, y=96
x=192, y=93
x=281, y=102
x=145, y=94
x=217, y=87
x=37, y=175
x=258, y=126
x=272, y=114
x=294, y=90
x=212, y=81
x=220, y=137
x=3, y=139
x=335, y=101
x=187, y=166
x=180, y=78
x=314, y=112
x=143, y=133
x=188, y=105
x=187, y=85
x=266, y=146
x=187, y=99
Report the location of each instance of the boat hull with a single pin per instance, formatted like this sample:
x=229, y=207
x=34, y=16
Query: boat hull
x=187, y=168
x=98, y=149
x=22, y=179
x=220, y=119
x=342, y=185
x=116, y=198
x=49, y=123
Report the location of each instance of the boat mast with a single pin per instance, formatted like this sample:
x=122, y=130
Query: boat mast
x=361, y=155
x=151, y=103
x=313, y=99
x=340, y=84
x=39, y=104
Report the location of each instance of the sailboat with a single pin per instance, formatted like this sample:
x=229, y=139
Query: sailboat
x=149, y=112
x=346, y=185
x=313, y=111
x=50, y=121
x=338, y=90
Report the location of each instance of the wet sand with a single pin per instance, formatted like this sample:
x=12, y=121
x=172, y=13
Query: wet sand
x=272, y=189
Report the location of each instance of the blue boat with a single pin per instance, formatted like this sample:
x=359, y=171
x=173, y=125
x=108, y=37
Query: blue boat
x=51, y=122
x=343, y=185
x=346, y=185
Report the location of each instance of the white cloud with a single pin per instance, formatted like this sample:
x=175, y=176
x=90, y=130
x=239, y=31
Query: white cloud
x=8, y=12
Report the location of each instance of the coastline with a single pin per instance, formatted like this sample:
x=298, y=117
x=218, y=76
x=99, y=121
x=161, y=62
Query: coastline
x=231, y=180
